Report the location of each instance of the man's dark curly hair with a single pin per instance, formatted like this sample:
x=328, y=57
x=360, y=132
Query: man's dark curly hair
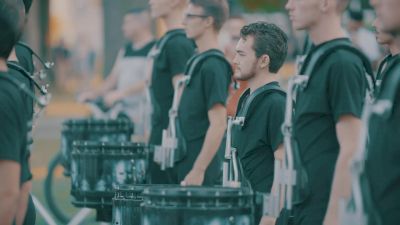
x=217, y=9
x=269, y=40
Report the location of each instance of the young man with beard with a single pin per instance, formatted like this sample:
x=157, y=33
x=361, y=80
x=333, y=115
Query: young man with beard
x=326, y=122
x=260, y=54
x=172, y=53
x=202, y=111
x=13, y=135
x=382, y=166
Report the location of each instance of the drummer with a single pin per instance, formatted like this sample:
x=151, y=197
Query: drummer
x=382, y=167
x=13, y=132
x=202, y=111
x=260, y=53
x=327, y=111
x=127, y=81
x=22, y=56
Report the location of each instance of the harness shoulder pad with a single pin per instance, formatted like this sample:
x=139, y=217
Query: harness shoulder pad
x=197, y=60
x=263, y=90
x=164, y=40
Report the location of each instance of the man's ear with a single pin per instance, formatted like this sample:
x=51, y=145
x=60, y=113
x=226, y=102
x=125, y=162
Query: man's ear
x=209, y=21
x=325, y=4
x=264, y=61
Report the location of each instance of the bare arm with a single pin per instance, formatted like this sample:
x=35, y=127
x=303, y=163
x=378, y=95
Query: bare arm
x=279, y=155
x=214, y=135
x=9, y=190
x=348, y=131
x=23, y=202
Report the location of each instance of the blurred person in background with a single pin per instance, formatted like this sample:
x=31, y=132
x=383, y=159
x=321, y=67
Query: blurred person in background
x=382, y=165
x=388, y=41
x=361, y=37
x=62, y=60
x=127, y=81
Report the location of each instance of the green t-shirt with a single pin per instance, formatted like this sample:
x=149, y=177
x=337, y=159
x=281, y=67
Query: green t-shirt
x=170, y=62
x=208, y=87
x=382, y=166
x=13, y=132
x=260, y=136
x=337, y=87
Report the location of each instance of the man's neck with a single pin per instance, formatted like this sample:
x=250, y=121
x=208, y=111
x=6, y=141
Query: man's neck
x=327, y=29
x=174, y=20
x=142, y=39
x=394, y=48
x=3, y=65
x=260, y=80
x=208, y=40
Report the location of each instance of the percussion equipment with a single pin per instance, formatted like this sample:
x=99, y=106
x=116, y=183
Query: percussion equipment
x=97, y=168
x=126, y=204
x=197, y=206
x=92, y=130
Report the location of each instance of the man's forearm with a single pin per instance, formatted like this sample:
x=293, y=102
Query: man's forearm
x=211, y=144
x=23, y=202
x=341, y=188
x=8, y=207
x=134, y=89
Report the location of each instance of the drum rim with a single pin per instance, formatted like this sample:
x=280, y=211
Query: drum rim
x=182, y=191
x=110, y=144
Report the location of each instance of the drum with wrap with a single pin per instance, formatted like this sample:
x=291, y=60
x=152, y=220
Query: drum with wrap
x=92, y=130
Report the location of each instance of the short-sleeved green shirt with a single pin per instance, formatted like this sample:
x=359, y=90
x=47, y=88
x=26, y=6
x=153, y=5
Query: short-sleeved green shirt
x=260, y=136
x=170, y=62
x=337, y=87
x=13, y=132
x=208, y=87
x=382, y=166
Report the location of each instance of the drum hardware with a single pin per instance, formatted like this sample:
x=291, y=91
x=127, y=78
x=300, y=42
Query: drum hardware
x=231, y=174
x=165, y=155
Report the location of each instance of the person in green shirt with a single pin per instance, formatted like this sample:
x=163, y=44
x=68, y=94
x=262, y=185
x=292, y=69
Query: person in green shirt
x=173, y=50
x=13, y=135
x=260, y=53
x=326, y=123
x=388, y=40
x=383, y=155
x=202, y=111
